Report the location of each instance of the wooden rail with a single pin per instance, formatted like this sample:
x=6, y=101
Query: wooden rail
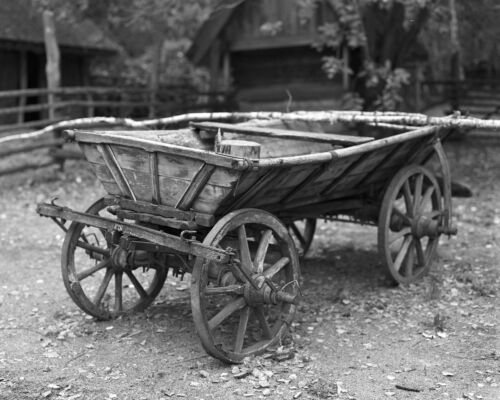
x=478, y=96
x=24, y=110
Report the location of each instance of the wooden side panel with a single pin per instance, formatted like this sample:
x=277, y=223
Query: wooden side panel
x=175, y=176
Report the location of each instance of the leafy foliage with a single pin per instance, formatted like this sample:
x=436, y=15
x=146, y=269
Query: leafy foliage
x=358, y=25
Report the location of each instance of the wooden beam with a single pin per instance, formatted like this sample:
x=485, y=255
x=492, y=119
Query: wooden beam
x=164, y=211
x=258, y=187
x=53, y=58
x=331, y=187
x=115, y=170
x=308, y=181
x=156, y=219
x=155, y=177
x=197, y=185
x=23, y=84
x=331, y=138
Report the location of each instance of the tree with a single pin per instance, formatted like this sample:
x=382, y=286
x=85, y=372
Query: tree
x=154, y=34
x=384, y=31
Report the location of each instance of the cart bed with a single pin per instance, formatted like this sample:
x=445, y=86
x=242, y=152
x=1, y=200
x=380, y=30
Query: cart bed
x=319, y=169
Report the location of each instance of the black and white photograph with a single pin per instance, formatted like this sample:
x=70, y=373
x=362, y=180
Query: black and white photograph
x=249, y=199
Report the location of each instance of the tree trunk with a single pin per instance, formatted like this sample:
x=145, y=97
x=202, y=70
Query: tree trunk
x=52, y=67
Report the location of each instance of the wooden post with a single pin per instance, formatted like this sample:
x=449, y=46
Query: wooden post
x=23, y=84
x=52, y=70
x=215, y=54
x=418, y=86
x=155, y=76
x=238, y=148
x=456, y=67
x=345, y=72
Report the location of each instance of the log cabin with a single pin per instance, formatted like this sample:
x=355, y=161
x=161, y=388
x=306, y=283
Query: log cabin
x=22, y=51
x=263, y=50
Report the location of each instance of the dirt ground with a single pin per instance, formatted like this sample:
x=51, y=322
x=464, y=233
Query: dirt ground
x=355, y=337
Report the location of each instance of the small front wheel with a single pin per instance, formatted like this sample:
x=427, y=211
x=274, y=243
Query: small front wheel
x=243, y=307
x=410, y=223
x=98, y=284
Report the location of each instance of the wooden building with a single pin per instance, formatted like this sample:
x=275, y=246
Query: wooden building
x=22, y=49
x=264, y=51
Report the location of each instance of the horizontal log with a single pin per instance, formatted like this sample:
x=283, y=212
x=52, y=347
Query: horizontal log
x=331, y=138
x=165, y=211
x=25, y=167
x=348, y=117
x=30, y=147
x=26, y=125
x=66, y=154
x=83, y=90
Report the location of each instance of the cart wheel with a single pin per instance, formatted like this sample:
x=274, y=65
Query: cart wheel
x=409, y=223
x=244, y=306
x=97, y=284
x=302, y=232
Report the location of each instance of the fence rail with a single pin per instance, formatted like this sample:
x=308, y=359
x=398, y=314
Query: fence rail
x=30, y=108
x=23, y=110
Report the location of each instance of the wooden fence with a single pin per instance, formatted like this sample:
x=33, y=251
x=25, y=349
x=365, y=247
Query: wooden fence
x=25, y=110
x=477, y=97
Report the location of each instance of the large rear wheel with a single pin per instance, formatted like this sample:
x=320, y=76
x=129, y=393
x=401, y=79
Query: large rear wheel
x=243, y=307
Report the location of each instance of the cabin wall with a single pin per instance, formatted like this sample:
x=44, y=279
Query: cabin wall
x=261, y=24
x=265, y=54
x=74, y=70
x=24, y=68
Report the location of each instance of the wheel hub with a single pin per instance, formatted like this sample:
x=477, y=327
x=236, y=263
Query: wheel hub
x=119, y=259
x=263, y=292
x=422, y=226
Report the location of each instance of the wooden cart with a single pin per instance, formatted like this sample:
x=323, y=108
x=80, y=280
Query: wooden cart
x=225, y=203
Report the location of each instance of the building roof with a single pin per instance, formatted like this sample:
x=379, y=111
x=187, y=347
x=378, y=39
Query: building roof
x=21, y=23
x=211, y=29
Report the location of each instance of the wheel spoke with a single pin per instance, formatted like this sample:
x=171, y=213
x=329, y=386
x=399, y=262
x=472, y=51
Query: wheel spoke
x=402, y=233
x=259, y=313
x=230, y=289
x=227, y=311
x=246, y=260
x=262, y=251
x=426, y=198
x=242, y=328
x=137, y=284
x=402, y=252
x=118, y=292
x=408, y=199
x=410, y=260
x=92, y=248
x=102, y=288
x=420, y=253
x=402, y=215
x=85, y=274
x=277, y=267
x=417, y=193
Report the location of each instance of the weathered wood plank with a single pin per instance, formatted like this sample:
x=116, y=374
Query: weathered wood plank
x=155, y=178
x=155, y=146
x=165, y=211
x=197, y=185
x=157, y=220
x=355, y=163
x=339, y=140
x=115, y=169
